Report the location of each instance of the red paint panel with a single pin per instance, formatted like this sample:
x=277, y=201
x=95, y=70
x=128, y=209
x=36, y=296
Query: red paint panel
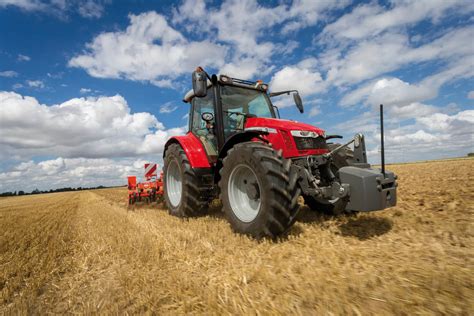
x=282, y=139
x=194, y=149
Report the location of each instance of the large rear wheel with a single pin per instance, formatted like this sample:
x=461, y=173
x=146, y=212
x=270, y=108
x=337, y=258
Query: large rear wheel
x=258, y=193
x=183, y=192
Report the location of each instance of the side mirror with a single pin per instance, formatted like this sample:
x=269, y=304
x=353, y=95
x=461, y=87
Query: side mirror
x=298, y=102
x=199, y=83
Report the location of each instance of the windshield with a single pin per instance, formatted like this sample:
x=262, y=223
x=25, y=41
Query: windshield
x=247, y=102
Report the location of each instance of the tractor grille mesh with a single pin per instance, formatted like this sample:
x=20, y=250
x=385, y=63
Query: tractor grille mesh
x=305, y=143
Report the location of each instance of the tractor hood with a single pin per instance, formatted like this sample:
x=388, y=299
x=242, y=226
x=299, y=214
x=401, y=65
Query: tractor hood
x=280, y=124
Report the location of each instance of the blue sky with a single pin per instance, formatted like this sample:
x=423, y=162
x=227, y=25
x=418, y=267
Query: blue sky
x=89, y=90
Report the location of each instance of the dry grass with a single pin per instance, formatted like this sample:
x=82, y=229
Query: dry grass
x=83, y=252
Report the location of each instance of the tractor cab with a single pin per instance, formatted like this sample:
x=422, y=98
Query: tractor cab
x=231, y=107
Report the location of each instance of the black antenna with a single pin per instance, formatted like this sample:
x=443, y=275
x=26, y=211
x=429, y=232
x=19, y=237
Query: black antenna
x=382, y=152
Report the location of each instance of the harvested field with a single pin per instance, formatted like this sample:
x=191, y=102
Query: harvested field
x=84, y=252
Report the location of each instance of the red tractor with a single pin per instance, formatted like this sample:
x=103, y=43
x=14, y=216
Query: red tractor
x=237, y=148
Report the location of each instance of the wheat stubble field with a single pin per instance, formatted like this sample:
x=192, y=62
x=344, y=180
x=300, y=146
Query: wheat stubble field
x=83, y=252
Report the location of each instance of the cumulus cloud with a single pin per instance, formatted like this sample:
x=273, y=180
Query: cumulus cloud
x=93, y=127
x=69, y=172
x=418, y=139
x=389, y=91
x=149, y=49
x=236, y=43
x=303, y=77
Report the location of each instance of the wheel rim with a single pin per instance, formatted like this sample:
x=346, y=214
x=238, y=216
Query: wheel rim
x=174, y=183
x=244, y=193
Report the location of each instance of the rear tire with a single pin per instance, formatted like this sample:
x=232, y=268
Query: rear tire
x=183, y=192
x=258, y=193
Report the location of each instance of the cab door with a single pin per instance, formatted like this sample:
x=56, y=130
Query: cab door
x=205, y=131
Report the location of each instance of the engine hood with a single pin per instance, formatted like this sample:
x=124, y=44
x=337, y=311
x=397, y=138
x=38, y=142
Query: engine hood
x=281, y=124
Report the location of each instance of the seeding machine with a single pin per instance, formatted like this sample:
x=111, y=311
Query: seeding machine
x=146, y=192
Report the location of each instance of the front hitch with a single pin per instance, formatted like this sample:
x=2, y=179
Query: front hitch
x=360, y=155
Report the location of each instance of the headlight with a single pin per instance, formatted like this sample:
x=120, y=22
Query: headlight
x=304, y=134
x=308, y=140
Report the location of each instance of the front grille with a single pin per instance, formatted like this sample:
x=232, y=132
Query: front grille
x=305, y=143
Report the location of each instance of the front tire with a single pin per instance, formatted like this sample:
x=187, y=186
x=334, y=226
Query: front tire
x=258, y=193
x=183, y=192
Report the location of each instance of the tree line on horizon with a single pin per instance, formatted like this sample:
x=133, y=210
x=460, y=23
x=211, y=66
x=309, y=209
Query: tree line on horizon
x=66, y=189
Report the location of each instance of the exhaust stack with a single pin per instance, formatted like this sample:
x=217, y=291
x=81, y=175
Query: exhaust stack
x=382, y=148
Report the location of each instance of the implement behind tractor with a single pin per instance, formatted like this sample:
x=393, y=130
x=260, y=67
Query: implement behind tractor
x=145, y=192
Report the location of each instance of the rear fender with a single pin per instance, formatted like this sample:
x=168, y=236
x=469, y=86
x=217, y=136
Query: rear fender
x=193, y=148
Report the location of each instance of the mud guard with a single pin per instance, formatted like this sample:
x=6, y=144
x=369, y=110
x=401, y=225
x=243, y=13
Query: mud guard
x=193, y=148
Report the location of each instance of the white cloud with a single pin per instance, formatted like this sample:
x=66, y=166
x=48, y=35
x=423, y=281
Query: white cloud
x=302, y=77
x=315, y=110
x=28, y=5
x=90, y=9
x=396, y=92
x=23, y=57
x=59, y=8
x=372, y=19
x=35, y=83
x=470, y=95
x=443, y=122
x=91, y=127
x=85, y=90
x=149, y=49
x=390, y=51
x=8, y=74
x=389, y=91
x=168, y=107
x=69, y=172
x=305, y=13
x=243, y=27
x=417, y=139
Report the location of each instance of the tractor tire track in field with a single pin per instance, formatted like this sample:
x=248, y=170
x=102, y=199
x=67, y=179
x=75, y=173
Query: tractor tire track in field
x=84, y=252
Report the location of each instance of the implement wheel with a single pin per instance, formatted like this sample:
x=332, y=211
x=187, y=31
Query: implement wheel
x=258, y=193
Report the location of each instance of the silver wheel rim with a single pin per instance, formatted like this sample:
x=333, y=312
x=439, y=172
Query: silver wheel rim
x=174, y=183
x=244, y=205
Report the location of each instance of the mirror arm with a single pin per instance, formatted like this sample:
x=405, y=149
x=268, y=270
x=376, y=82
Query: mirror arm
x=274, y=94
x=199, y=68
